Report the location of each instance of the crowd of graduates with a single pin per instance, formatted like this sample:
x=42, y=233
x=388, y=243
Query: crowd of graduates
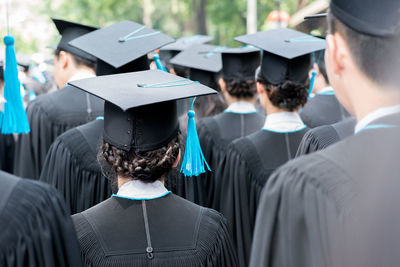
x=160, y=152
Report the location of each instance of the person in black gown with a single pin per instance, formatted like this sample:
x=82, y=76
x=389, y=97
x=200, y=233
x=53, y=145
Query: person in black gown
x=323, y=136
x=144, y=224
x=307, y=203
x=249, y=161
x=52, y=114
x=238, y=120
x=204, y=68
x=36, y=229
x=323, y=108
x=77, y=174
x=7, y=142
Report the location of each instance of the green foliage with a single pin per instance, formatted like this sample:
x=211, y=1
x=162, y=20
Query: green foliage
x=225, y=19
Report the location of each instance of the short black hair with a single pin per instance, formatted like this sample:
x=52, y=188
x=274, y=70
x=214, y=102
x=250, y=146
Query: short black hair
x=376, y=57
x=78, y=60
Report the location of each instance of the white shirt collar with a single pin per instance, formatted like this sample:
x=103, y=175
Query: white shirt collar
x=82, y=74
x=326, y=89
x=137, y=189
x=377, y=114
x=283, y=122
x=241, y=107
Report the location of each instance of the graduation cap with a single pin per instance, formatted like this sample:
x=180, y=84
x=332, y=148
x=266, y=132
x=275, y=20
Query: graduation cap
x=203, y=66
x=195, y=58
x=239, y=63
x=377, y=18
x=69, y=31
x=140, y=112
x=123, y=45
x=286, y=54
x=169, y=51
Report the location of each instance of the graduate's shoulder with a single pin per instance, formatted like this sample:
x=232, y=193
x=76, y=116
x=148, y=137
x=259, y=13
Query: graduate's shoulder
x=323, y=171
x=29, y=202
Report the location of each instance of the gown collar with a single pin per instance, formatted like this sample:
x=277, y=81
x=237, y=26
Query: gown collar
x=241, y=107
x=283, y=122
x=139, y=190
x=375, y=115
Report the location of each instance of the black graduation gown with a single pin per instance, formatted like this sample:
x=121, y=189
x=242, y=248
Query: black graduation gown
x=7, y=147
x=324, y=136
x=36, y=229
x=113, y=233
x=49, y=116
x=306, y=204
x=215, y=133
x=321, y=110
x=71, y=166
x=242, y=174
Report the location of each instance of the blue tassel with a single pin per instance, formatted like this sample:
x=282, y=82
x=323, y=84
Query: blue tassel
x=14, y=120
x=312, y=81
x=194, y=162
x=158, y=62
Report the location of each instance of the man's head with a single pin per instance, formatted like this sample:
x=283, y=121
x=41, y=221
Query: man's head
x=66, y=65
x=359, y=55
x=68, y=60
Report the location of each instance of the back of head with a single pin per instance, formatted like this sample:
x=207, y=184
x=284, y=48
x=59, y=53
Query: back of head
x=371, y=30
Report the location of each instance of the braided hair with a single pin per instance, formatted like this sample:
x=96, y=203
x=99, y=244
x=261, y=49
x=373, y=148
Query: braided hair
x=147, y=166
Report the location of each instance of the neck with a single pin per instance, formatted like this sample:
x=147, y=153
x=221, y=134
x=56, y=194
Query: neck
x=123, y=180
x=373, y=99
x=320, y=87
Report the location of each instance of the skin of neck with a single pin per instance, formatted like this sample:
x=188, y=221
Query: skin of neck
x=65, y=68
x=355, y=91
x=265, y=101
x=231, y=99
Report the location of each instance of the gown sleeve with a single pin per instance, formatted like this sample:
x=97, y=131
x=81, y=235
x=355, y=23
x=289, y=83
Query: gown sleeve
x=81, y=182
x=36, y=229
x=297, y=217
x=317, y=139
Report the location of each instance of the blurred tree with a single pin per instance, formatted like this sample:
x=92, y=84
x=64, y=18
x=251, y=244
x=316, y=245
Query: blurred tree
x=223, y=19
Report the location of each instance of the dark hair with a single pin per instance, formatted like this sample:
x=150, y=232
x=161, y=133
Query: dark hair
x=78, y=60
x=241, y=88
x=322, y=68
x=376, y=57
x=288, y=96
x=147, y=166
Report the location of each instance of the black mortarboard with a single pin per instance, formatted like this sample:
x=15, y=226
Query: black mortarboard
x=239, y=63
x=185, y=42
x=195, y=58
x=122, y=43
x=69, y=31
x=286, y=53
x=169, y=51
x=140, y=109
x=378, y=18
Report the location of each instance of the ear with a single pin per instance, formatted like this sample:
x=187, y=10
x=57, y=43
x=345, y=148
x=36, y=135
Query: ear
x=64, y=59
x=178, y=158
x=260, y=88
x=222, y=85
x=337, y=52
